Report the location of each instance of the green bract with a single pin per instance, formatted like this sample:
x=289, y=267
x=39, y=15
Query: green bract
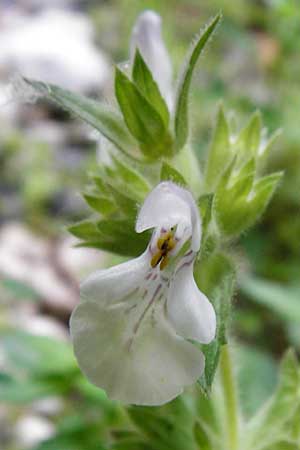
x=232, y=173
x=181, y=111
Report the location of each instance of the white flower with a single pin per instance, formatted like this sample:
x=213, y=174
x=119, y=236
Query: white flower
x=146, y=36
x=130, y=329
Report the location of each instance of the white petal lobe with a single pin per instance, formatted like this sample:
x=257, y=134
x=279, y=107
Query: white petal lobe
x=150, y=370
x=111, y=285
x=189, y=310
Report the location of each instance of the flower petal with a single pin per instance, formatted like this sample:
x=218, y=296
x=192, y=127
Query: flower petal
x=167, y=205
x=150, y=367
x=189, y=310
x=147, y=37
x=114, y=284
x=163, y=207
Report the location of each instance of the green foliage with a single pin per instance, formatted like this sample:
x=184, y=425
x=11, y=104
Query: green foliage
x=96, y=114
x=284, y=301
x=215, y=277
x=136, y=183
x=240, y=199
x=143, y=79
x=220, y=152
x=38, y=354
x=114, y=195
x=253, y=364
x=272, y=424
x=248, y=142
x=166, y=427
x=38, y=367
x=14, y=391
x=182, y=95
x=232, y=172
x=169, y=173
x=142, y=119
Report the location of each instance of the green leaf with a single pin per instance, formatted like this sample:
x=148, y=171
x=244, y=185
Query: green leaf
x=222, y=303
x=181, y=108
x=202, y=436
x=135, y=443
x=169, y=173
x=163, y=429
x=133, y=180
x=248, y=141
x=215, y=277
x=99, y=116
x=266, y=145
x=37, y=354
x=205, y=203
x=102, y=205
x=236, y=208
x=118, y=236
x=220, y=152
x=126, y=204
x=143, y=121
x=269, y=426
x=144, y=81
x=283, y=300
x=284, y=445
x=254, y=364
x=13, y=391
x=84, y=230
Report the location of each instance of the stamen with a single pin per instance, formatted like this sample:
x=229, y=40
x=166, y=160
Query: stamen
x=165, y=244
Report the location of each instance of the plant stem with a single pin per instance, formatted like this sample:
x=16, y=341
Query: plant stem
x=230, y=398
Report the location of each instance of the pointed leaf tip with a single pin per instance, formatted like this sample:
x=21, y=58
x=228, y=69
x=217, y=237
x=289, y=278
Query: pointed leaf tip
x=181, y=109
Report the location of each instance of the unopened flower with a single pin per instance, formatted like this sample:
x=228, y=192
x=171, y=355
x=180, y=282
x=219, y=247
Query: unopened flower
x=131, y=330
x=147, y=37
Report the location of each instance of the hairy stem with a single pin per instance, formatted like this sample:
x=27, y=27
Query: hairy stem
x=230, y=398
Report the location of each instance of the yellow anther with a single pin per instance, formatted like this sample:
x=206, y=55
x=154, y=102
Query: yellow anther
x=164, y=262
x=165, y=244
x=171, y=244
x=156, y=258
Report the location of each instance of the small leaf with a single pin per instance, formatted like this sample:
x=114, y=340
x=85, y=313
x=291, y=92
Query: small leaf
x=216, y=279
x=118, y=236
x=99, y=116
x=126, y=204
x=181, y=109
x=269, y=426
x=255, y=364
x=220, y=152
x=248, y=141
x=266, y=145
x=169, y=173
x=102, y=205
x=283, y=300
x=144, y=81
x=13, y=391
x=143, y=121
x=37, y=354
x=205, y=203
x=222, y=303
x=133, y=180
x=235, y=208
x=85, y=229
x=162, y=430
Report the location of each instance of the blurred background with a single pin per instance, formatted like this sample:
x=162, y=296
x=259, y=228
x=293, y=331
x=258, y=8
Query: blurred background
x=45, y=155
